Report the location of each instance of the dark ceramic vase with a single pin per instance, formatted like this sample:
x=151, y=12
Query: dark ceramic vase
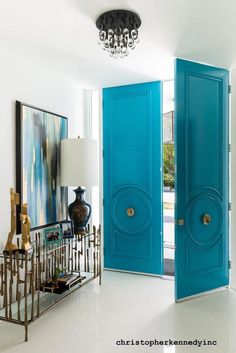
x=79, y=211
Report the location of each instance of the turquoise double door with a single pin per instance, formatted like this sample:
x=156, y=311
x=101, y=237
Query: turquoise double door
x=132, y=169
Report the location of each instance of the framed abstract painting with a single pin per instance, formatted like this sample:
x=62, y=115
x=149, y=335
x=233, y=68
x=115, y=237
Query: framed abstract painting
x=38, y=141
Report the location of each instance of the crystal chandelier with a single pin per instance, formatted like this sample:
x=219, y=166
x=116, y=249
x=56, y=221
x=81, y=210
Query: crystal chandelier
x=118, y=32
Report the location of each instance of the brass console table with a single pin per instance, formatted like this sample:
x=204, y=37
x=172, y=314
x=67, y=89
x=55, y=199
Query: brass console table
x=23, y=276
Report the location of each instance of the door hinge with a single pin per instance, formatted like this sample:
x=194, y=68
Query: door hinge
x=229, y=207
x=229, y=89
x=102, y=153
x=230, y=147
x=229, y=264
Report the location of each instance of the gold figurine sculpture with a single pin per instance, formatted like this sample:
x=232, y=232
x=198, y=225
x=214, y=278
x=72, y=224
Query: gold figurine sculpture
x=14, y=200
x=25, y=228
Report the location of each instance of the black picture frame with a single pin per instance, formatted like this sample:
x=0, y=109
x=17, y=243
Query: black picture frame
x=38, y=113
x=52, y=235
x=65, y=225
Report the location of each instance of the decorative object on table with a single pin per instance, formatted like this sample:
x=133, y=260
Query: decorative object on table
x=38, y=139
x=79, y=211
x=67, y=229
x=25, y=229
x=69, y=280
x=52, y=235
x=14, y=200
x=58, y=273
x=79, y=166
x=62, y=283
x=118, y=32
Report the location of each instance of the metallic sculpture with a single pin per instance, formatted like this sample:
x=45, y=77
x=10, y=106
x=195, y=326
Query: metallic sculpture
x=14, y=200
x=25, y=228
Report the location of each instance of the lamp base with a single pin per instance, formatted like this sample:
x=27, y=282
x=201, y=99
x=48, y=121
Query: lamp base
x=79, y=212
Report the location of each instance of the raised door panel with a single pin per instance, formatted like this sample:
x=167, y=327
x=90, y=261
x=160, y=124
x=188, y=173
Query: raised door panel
x=132, y=178
x=202, y=178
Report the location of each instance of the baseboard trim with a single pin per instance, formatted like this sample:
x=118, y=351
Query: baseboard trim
x=134, y=272
x=202, y=294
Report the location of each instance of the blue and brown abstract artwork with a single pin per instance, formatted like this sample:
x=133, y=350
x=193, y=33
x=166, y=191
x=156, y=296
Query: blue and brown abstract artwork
x=38, y=139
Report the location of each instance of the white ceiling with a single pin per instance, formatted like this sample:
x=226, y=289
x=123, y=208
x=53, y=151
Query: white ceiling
x=61, y=36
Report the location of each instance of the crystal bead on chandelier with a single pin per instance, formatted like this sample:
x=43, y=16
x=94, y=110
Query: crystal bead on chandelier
x=118, y=32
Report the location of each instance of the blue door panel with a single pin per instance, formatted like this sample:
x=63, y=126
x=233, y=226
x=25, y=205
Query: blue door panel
x=132, y=130
x=201, y=145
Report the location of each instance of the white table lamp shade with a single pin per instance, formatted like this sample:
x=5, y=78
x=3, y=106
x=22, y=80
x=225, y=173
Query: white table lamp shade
x=79, y=162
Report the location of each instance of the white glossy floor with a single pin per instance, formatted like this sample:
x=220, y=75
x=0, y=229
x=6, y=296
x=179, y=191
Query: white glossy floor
x=128, y=306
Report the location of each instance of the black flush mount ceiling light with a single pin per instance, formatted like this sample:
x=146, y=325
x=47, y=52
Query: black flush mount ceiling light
x=118, y=32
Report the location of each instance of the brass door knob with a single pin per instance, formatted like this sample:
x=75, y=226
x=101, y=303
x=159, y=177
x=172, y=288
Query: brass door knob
x=130, y=212
x=206, y=219
x=180, y=222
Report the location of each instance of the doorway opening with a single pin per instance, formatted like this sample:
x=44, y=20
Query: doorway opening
x=133, y=204
x=168, y=178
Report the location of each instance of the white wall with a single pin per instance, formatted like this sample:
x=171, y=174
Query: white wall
x=168, y=96
x=233, y=179
x=23, y=81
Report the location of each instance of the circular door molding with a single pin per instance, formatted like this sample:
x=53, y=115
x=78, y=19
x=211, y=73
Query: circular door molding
x=204, y=234
x=135, y=198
